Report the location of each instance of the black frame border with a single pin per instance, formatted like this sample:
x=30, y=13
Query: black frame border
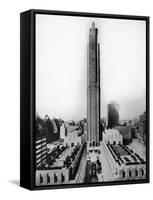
x=28, y=93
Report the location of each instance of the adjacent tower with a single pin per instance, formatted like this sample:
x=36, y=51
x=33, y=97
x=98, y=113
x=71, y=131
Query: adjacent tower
x=93, y=87
x=113, y=114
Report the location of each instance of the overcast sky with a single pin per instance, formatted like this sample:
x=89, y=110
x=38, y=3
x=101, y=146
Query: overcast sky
x=61, y=65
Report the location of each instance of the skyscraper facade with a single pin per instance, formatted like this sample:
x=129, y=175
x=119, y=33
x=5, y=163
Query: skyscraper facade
x=93, y=87
x=113, y=114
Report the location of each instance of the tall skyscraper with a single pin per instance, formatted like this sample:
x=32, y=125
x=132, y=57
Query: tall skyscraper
x=93, y=87
x=113, y=114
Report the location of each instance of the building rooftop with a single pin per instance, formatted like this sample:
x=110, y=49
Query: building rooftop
x=60, y=161
x=124, y=155
x=118, y=150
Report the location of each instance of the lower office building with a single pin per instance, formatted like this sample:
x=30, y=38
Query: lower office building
x=124, y=163
x=40, y=152
x=64, y=170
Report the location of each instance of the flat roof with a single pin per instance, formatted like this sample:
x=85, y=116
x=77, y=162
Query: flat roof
x=126, y=156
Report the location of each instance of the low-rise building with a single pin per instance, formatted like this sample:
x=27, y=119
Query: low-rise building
x=112, y=136
x=72, y=135
x=125, y=131
x=64, y=169
x=125, y=164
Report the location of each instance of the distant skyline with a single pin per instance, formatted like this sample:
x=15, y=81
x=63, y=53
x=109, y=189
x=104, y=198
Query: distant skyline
x=61, y=65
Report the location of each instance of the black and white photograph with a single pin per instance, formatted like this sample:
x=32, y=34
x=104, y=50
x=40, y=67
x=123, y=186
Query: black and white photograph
x=90, y=117
x=76, y=100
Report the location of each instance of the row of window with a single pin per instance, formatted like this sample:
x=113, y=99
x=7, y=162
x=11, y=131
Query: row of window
x=55, y=179
x=41, y=149
x=130, y=173
x=41, y=159
x=40, y=145
x=41, y=163
x=41, y=140
x=40, y=154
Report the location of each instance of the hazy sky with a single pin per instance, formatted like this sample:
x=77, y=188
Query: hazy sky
x=61, y=65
